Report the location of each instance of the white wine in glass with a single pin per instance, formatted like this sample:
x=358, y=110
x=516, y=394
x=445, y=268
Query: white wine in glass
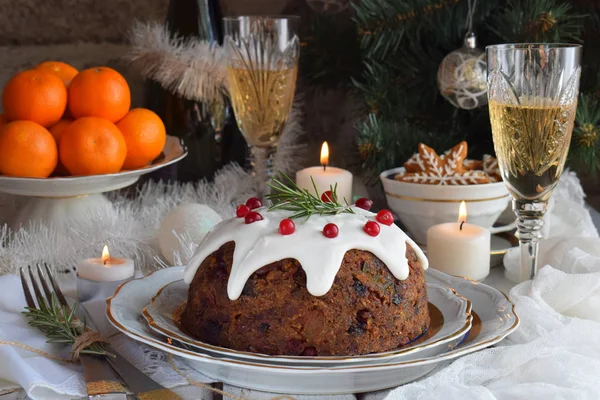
x=532, y=92
x=262, y=65
x=262, y=100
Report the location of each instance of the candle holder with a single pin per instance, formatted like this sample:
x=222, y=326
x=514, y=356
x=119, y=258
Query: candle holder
x=88, y=290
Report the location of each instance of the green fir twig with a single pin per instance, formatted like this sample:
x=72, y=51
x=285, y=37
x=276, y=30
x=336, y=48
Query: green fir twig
x=290, y=197
x=60, y=325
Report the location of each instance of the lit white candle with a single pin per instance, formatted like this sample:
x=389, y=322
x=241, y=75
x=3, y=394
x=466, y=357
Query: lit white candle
x=458, y=248
x=326, y=177
x=105, y=268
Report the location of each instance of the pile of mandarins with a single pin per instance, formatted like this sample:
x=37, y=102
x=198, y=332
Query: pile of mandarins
x=59, y=121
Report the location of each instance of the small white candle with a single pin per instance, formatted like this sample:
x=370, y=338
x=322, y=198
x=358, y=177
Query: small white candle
x=458, y=248
x=326, y=177
x=106, y=268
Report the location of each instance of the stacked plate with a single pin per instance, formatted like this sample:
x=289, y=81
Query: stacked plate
x=466, y=316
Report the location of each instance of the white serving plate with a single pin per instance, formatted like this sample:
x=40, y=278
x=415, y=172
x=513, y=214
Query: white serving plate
x=495, y=320
x=454, y=324
x=71, y=186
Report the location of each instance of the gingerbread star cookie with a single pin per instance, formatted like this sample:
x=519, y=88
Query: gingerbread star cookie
x=491, y=168
x=451, y=168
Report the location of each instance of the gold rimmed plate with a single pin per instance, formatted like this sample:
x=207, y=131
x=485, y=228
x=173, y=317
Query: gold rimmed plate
x=496, y=319
x=450, y=314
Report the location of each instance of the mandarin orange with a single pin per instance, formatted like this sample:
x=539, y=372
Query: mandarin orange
x=35, y=95
x=59, y=128
x=99, y=92
x=61, y=69
x=27, y=150
x=92, y=146
x=145, y=135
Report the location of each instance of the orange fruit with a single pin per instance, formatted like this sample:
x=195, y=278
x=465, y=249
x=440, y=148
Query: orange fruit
x=92, y=146
x=59, y=128
x=3, y=121
x=63, y=70
x=57, y=131
x=145, y=135
x=35, y=95
x=27, y=150
x=99, y=92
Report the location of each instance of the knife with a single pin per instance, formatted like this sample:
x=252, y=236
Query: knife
x=139, y=383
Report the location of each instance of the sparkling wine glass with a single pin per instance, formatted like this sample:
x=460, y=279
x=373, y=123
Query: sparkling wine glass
x=262, y=64
x=532, y=92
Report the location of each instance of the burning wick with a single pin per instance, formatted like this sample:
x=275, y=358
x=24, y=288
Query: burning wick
x=324, y=155
x=105, y=255
x=462, y=214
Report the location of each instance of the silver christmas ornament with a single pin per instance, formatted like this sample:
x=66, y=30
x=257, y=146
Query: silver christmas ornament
x=462, y=76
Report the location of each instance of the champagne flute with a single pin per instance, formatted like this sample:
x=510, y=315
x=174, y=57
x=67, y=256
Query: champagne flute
x=262, y=64
x=532, y=92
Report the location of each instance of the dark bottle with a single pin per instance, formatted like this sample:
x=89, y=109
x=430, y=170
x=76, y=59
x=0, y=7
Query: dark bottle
x=208, y=130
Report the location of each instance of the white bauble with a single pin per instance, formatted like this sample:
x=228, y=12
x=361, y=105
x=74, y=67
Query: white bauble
x=462, y=76
x=192, y=220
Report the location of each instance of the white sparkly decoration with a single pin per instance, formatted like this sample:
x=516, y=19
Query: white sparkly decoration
x=193, y=220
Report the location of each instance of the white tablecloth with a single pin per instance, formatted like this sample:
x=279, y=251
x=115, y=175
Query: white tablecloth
x=554, y=354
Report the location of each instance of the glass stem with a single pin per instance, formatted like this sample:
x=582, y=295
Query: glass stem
x=530, y=222
x=261, y=162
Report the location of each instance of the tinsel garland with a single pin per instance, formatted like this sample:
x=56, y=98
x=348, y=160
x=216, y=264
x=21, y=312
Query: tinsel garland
x=129, y=227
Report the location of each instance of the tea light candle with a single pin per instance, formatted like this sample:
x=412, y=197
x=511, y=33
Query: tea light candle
x=326, y=177
x=105, y=268
x=459, y=248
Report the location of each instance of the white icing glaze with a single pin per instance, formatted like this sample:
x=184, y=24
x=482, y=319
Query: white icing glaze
x=260, y=243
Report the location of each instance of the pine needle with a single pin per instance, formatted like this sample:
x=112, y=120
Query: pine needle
x=290, y=197
x=60, y=325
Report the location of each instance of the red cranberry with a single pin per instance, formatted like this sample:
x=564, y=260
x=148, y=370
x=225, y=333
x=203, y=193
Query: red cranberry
x=253, y=203
x=287, y=227
x=371, y=228
x=327, y=197
x=330, y=231
x=364, y=203
x=385, y=217
x=242, y=210
x=252, y=216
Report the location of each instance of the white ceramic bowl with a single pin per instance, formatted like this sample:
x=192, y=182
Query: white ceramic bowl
x=420, y=206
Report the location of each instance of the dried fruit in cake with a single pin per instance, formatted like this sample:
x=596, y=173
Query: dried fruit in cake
x=35, y=95
x=92, y=146
x=99, y=92
x=27, y=150
x=61, y=69
x=145, y=135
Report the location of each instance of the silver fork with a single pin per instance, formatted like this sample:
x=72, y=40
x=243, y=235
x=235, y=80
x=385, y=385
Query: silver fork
x=101, y=380
x=137, y=382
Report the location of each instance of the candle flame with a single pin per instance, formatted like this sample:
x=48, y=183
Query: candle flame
x=105, y=255
x=462, y=212
x=324, y=154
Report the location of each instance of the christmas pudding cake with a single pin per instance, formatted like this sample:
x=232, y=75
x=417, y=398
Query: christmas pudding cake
x=307, y=277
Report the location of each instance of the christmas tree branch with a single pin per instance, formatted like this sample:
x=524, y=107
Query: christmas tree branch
x=537, y=21
x=585, y=146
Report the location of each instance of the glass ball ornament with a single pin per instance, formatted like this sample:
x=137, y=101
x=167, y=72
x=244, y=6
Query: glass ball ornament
x=462, y=76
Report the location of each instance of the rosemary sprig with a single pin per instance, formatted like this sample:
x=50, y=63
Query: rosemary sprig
x=60, y=325
x=288, y=196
